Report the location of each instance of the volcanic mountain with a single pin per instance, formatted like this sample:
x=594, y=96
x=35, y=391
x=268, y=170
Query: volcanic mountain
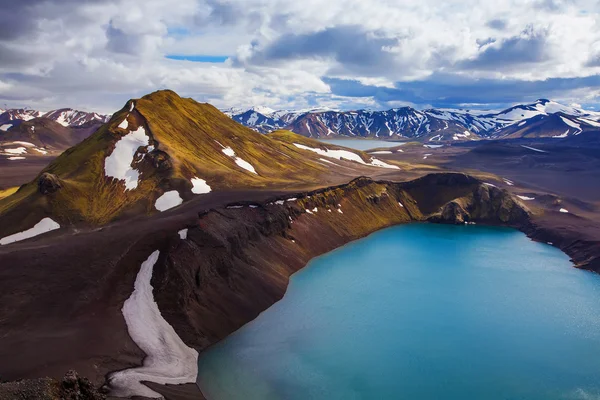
x=161, y=150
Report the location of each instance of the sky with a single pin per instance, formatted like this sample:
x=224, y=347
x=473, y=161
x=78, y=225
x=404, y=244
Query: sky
x=94, y=55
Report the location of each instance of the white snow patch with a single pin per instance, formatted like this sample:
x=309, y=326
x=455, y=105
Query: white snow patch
x=340, y=211
x=18, y=143
x=433, y=146
x=131, y=106
x=245, y=164
x=279, y=202
x=590, y=122
x=381, y=152
x=327, y=161
x=508, y=182
x=346, y=155
x=15, y=158
x=534, y=149
x=315, y=209
x=18, y=150
x=5, y=127
x=564, y=135
x=464, y=135
x=40, y=150
x=489, y=184
x=183, y=234
x=199, y=186
x=168, y=359
x=525, y=198
x=564, y=210
x=308, y=211
x=45, y=225
x=400, y=204
x=378, y=163
x=124, y=124
x=118, y=163
x=228, y=151
x=571, y=123
x=168, y=200
x=426, y=156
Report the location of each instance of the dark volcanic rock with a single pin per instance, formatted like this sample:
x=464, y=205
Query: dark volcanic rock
x=161, y=160
x=48, y=183
x=71, y=387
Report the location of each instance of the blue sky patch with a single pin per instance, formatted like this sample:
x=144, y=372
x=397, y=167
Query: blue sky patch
x=198, y=58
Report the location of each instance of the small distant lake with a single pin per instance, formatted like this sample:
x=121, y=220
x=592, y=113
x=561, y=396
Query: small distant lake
x=361, y=144
x=417, y=312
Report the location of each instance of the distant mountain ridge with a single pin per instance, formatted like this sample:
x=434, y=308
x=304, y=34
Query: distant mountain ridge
x=66, y=117
x=543, y=118
x=25, y=132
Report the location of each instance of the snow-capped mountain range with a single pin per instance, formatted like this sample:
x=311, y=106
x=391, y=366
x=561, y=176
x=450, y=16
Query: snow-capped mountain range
x=67, y=117
x=543, y=118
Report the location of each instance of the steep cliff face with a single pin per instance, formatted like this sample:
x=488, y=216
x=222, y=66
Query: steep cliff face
x=236, y=262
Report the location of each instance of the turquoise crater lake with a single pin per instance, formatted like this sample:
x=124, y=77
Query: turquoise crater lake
x=421, y=311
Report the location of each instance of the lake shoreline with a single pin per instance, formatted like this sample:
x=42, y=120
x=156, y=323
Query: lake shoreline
x=284, y=239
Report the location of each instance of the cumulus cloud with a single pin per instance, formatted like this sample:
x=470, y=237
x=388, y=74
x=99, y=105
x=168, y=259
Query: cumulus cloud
x=527, y=48
x=346, y=47
x=96, y=54
x=451, y=91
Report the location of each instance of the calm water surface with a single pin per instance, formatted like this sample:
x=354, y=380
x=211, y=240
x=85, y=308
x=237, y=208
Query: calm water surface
x=361, y=144
x=421, y=312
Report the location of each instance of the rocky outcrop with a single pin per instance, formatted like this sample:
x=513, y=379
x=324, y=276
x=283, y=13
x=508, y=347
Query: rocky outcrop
x=486, y=204
x=71, y=387
x=49, y=183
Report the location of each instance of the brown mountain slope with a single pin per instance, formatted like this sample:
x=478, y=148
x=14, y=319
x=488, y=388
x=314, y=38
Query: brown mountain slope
x=161, y=144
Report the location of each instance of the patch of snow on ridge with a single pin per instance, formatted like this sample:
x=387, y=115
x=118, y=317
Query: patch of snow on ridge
x=381, y=152
x=245, y=164
x=346, y=155
x=525, y=198
x=18, y=150
x=564, y=135
x=571, y=123
x=124, y=124
x=26, y=144
x=5, y=127
x=564, y=211
x=590, y=122
x=168, y=200
x=45, y=225
x=378, y=163
x=183, y=234
x=118, y=163
x=534, y=149
x=15, y=158
x=199, y=186
x=168, y=359
x=131, y=106
x=228, y=151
